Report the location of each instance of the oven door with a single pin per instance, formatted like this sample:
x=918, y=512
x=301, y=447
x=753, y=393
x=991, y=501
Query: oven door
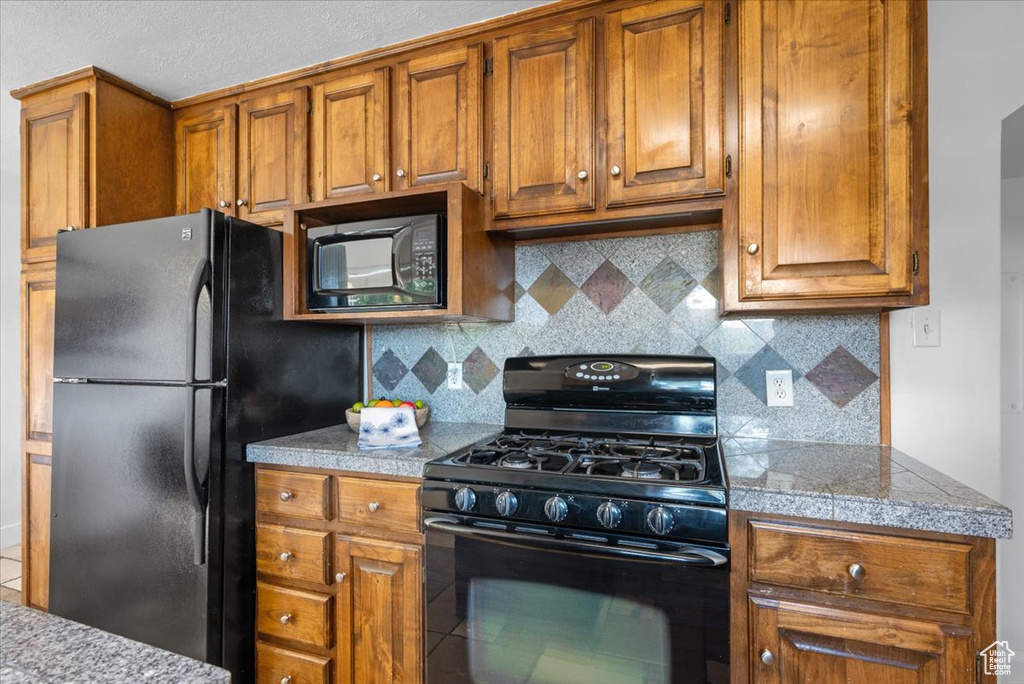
x=514, y=607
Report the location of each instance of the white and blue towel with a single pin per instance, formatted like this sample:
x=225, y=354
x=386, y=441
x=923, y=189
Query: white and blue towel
x=388, y=428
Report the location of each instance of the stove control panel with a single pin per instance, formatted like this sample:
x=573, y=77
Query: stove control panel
x=602, y=371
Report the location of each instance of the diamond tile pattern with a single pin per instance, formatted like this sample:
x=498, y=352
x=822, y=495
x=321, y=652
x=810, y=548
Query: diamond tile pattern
x=552, y=289
x=431, y=369
x=653, y=294
x=478, y=370
x=841, y=377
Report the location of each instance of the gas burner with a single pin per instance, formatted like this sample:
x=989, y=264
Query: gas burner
x=652, y=452
x=522, y=461
x=641, y=470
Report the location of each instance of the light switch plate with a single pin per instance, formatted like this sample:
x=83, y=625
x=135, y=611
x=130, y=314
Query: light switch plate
x=927, y=328
x=455, y=376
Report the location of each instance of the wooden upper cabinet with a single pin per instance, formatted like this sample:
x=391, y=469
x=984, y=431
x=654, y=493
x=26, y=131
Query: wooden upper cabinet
x=833, y=161
x=205, y=161
x=272, y=155
x=54, y=172
x=664, y=66
x=38, y=288
x=794, y=643
x=350, y=135
x=544, y=121
x=440, y=112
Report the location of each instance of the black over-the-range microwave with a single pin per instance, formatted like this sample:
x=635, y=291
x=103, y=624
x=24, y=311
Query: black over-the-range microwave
x=394, y=263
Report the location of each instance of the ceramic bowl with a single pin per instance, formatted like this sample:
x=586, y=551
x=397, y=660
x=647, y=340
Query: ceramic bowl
x=352, y=418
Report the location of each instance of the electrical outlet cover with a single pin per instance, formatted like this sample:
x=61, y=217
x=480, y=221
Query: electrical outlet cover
x=455, y=376
x=779, y=387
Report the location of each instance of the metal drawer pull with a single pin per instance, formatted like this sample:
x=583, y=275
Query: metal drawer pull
x=616, y=170
x=753, y=248
x=285, y=496
x=767, y=657
x=339, y=578
x=400, y=173
x=285, y=556
x=240, y=202
x=286, y=680
x=374, y=506
x=857, y=571
x=582, y=175
x=376, y=177
x=222, y=204
x=286, y=618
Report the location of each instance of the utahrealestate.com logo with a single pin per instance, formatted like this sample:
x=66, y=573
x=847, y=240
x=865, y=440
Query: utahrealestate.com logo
x=996, y=658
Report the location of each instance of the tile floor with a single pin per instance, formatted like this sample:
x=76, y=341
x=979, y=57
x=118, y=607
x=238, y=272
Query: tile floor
x=10, y=573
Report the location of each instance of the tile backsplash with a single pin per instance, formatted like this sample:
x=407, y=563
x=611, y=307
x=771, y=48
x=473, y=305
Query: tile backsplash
x=656, y=295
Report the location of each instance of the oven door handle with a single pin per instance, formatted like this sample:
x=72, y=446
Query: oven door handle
x=687, y=555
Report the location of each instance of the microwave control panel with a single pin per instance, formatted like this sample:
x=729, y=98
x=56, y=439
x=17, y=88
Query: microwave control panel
x=424, y=246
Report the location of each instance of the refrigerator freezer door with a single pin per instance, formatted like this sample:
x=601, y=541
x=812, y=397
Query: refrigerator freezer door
x=124, y=297
x=123, y=529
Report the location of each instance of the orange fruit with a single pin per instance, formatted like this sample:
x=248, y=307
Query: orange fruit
x=384, y=403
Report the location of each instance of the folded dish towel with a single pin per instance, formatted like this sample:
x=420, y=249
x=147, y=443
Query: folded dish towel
x=388, y=428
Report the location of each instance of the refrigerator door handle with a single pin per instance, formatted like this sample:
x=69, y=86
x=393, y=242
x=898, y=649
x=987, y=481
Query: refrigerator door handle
x=197, y=493
x=200, y=280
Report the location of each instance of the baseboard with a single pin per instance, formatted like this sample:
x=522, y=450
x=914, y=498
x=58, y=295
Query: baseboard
x=10, y=535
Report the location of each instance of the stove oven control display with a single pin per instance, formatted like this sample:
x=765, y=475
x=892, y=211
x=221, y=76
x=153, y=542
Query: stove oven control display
x=601, y=371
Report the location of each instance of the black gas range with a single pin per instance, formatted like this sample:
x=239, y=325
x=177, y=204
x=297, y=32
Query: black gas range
x=606, y=485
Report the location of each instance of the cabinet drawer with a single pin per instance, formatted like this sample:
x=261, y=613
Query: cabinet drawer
x=293, y=614
x=275, y=665
x=392, y=505
x=297, y=495
x=292, y=553
x=914, y=572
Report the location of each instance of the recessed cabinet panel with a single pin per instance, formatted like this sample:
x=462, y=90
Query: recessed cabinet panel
x=54, y=157
x=825, y=206
x=272, y=155
x=665, y=72
x=38, y=290
x=544, y=121
x=36, y=582
x=205, y=159
x=350, y=135
x=440, y=109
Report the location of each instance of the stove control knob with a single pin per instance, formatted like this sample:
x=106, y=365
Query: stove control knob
x=556, y=509
x=609, y=515
x=660, y=520
x=506, y=503
x=465, y=499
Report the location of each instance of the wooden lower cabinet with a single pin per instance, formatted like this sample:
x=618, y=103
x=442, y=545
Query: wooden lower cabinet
x=340, y=590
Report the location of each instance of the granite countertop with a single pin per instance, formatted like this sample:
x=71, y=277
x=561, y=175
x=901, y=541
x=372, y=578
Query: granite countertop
x=874, y=485
x=39, y=648
x=336, y=448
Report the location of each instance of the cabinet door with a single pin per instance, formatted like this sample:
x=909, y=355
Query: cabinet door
x=794, y=643
x=350, y=135
x=380, y=612
x=54, y=173
x=544, y=121
x=272, y=155
x=205, y=161
x=665, y=83
x=38, y=291
x=440, y=106
x=35, y=582
x=825, y=207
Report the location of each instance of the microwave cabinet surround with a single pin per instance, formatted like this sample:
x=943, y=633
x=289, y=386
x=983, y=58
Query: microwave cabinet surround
x=387, y=264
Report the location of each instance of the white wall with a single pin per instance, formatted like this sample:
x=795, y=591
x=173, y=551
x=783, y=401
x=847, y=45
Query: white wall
x=945, y=400
x=10, y=324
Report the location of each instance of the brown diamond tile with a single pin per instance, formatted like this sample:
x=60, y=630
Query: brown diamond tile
x=478, y=370
x=713, y=283
x=431, y=369
x=841, y=377
x=389, y=370
x=607, y=287
x=552, y=289
x=667, y=284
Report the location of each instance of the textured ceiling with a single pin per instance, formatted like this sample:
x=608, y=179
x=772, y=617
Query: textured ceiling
x=179, y=48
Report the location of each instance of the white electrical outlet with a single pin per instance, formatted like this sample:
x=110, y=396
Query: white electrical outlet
x=455, y=376
x=779, y=385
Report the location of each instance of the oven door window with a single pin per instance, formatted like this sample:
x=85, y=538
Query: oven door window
x=355, y=265
x=505, y=613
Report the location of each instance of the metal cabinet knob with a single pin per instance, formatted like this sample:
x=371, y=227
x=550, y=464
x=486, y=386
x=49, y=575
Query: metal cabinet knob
x=374, y=506
x=615, y=170
x=753, y=248
x=767, y=657
x=286, y=618
x=286, y=680
x=376, y=177
x=285, y=556
x=241, y=202
x=223, y=204
x=857, y=571
x=339, y=578
x=582, y=175
x=285, y=496
x=66, y=229
x=400, y=173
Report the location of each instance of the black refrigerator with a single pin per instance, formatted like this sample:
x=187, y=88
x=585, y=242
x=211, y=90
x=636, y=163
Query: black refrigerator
x=170, y=355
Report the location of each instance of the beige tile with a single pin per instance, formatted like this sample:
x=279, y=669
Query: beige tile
x=9, y=569
x=10, y=595
x=13, y=552
x=14, y=584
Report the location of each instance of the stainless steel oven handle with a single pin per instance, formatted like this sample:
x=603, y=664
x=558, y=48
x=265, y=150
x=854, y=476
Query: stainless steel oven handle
x=687, y=555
